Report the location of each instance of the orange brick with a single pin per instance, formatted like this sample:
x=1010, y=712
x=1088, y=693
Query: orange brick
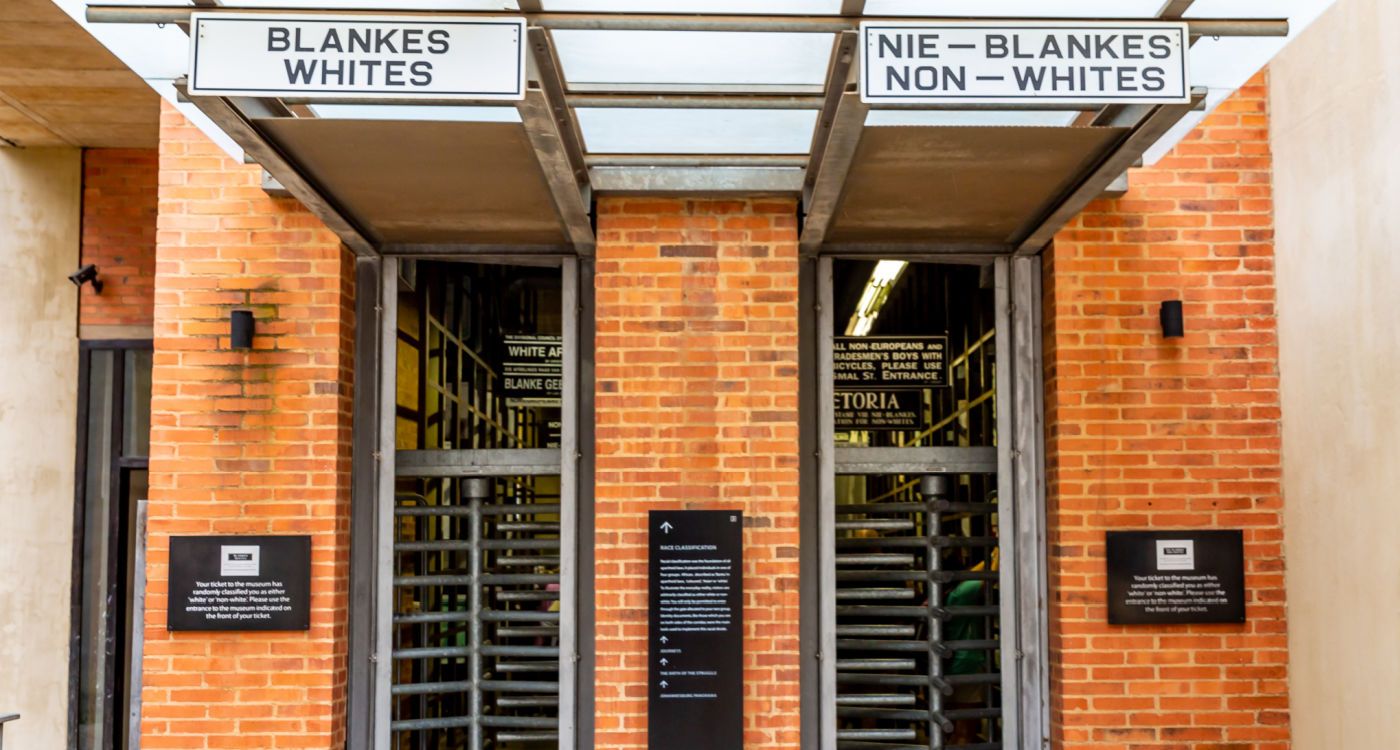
x=244, y=442
x=695, y=406
x=1148, y=433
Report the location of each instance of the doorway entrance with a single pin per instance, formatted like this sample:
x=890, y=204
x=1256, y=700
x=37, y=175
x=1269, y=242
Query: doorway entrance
x=929, y=529
x=476, y=577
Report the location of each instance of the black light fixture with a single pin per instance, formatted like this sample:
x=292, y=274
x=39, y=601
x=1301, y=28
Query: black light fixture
x=85, y=275
x=241, y=329
x=1173, y=322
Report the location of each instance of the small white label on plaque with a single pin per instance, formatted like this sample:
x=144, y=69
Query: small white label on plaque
x=239, y=561
x=1176, y=554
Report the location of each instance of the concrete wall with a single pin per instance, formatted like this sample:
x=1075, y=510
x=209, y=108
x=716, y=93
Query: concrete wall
x=1336, y=103
x=39, y=206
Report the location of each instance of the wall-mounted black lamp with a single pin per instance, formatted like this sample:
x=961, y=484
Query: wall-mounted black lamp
x=241, y=329
x=1173, y=323
x=86, y=275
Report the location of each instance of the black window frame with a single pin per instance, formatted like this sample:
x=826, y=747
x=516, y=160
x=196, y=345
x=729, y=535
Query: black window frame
x=121, y=467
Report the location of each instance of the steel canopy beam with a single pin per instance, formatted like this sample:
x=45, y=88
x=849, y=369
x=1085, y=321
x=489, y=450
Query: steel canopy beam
x=1110, y=169
x=697, y=180
x=236, y=124
x=549, y=124
x=831, y=171
x=796, y=24
x=897, y=250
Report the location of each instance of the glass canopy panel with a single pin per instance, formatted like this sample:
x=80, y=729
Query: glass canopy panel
x=693, y=57
x=1017, y=8
x=697, y=131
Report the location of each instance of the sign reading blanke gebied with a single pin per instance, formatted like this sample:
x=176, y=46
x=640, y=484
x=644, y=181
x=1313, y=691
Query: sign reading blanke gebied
x=338, y=57
x=1008, y=62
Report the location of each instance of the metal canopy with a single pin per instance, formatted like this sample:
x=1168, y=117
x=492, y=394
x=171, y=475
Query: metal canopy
x=454, y=178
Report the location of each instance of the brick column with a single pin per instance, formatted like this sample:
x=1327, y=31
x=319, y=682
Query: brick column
x=697, y=408
x=1147, y=433
x=246, y=443
x=119, y=236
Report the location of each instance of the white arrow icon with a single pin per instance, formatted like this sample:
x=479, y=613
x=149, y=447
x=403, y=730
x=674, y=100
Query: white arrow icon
x=664, y=639
x=665, y=683
x=664, y=662
x=666, y=526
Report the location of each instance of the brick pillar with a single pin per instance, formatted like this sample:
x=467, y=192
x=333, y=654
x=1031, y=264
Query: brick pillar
x=697, y=409
x=246, y=443
x=119, y=236
x=1147, y=433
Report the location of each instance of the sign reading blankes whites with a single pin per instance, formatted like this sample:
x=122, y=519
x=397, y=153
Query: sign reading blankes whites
x=239, y=583
x=1009, y=62
x=338, y=57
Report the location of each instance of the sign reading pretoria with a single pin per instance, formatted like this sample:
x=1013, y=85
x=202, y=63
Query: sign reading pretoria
x=1007, y=62
x=331, y=57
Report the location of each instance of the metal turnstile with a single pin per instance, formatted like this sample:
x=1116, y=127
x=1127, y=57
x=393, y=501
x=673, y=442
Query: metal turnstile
x=476, y=616
x=917, y=617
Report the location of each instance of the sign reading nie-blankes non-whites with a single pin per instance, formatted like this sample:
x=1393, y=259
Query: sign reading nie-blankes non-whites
x=349, y=56
x=1024, y=62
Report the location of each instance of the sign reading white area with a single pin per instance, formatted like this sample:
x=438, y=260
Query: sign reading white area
x=338, y=57
x=1016, y=62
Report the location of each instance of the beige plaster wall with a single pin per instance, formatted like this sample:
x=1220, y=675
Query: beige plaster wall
x=39, y=209
x=1336, y=131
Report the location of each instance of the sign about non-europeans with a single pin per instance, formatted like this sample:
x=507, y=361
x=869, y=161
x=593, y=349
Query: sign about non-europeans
x=876, y=410
x=346, y=56
x=1175, y=577
x=886, y=362
x=239, y=583
x=532, y=373
x=1008, y=62
x=695, y=631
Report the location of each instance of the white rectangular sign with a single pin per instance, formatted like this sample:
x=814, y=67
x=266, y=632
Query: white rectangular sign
x=1023, y=62
x=338, y=57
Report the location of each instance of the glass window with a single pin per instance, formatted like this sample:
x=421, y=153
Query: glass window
x=114, y=443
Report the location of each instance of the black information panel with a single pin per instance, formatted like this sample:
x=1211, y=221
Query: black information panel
x=868, y=411
x=240, y=583
x=533, y=371
x=868, y=362
x=1175, y=577
x=696, y=630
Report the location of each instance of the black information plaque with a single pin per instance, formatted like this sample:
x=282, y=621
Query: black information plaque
x=1175, y=577
x=865, y=362
x=240, y=583
x=696, y=630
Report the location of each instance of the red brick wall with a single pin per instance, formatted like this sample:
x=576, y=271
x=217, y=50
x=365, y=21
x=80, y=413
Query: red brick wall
x=246, y=443
x=1148, y=433
x=119, y=235
x=697, y=408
